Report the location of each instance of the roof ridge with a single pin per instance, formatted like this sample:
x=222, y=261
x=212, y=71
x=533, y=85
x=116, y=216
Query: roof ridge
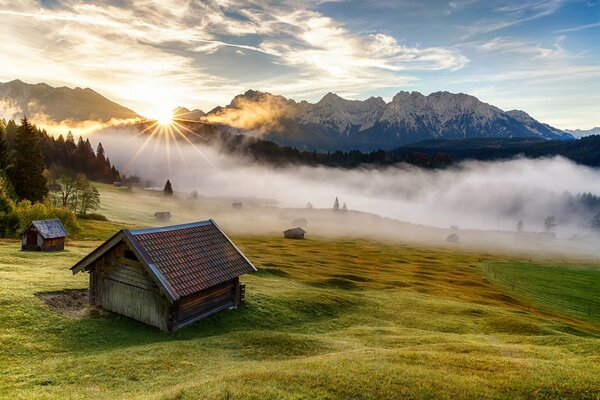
x=170, y=227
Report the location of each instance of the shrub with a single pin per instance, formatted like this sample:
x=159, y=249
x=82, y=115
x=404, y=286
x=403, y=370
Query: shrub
x=27, y=212
x=9, y=222
x=93, y=216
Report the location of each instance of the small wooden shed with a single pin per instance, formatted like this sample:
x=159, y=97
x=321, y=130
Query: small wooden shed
x=237, y=206
x=44, y=235
x=294, y=233
x=167, y=277
x=162, y=216
x=453, y=238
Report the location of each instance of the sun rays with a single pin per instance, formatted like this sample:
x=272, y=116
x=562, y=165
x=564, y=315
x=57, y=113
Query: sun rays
x=166, y=130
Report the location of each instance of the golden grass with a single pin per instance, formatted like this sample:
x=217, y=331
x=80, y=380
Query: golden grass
x=324, y=319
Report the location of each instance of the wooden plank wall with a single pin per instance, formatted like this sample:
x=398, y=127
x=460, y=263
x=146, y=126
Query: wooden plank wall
x=208, y=299
x=123, y=286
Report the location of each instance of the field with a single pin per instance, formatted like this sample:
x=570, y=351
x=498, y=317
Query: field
x=325, y=318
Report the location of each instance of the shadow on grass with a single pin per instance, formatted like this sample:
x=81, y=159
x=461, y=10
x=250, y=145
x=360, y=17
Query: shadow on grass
x=290, y=313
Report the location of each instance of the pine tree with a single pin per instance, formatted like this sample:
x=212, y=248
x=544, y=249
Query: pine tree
x=27, y=170
x=336, y=205
x=100, y=154
x=3, y=149
x=10, y=130
x=344, y=207
x=168, y=190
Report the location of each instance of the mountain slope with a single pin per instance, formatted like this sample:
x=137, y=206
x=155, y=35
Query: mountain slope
x=18, y=98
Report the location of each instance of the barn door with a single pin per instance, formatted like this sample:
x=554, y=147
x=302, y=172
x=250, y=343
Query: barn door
x=32, y=236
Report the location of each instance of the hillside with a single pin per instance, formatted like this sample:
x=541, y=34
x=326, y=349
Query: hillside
x=323, y=319
x=584, y=151
x=58, y=103
x=328, y=317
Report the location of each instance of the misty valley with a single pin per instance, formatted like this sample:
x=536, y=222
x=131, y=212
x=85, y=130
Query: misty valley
x=288, y=200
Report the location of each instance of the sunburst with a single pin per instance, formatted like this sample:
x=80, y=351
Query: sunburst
x=166, y=130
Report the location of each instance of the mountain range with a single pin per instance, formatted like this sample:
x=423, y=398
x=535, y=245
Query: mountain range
x=18, y=99
x=579, y=133
x=332, y=123
x=335, y=123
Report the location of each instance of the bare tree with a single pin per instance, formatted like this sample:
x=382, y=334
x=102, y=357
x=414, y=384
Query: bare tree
x=88, y=197
x=596, y=222
x=64, y=190
x=520, y=226
x=74, y=192
x=550, y=223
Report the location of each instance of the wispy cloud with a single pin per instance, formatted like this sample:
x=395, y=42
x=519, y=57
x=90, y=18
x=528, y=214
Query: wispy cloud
x=504, y=14
x=148, y=53
x=579, y=28
x=512, y=45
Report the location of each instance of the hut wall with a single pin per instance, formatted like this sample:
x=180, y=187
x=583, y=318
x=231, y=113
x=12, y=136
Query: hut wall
x=207, y=302
x=122, y=285
x=53, y=244
x=293, y=235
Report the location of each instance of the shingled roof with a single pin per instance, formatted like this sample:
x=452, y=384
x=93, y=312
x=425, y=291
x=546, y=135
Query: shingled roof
x=295, y=231
x=183, y=259
x=48, y=228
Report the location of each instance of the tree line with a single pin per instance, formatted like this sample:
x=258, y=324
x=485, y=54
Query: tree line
x=267, y=152
x=43, y=177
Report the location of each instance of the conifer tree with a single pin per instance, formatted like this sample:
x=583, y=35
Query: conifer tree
x=27, y=169
x=336, y=205
x=3, y=149
x=168, y=190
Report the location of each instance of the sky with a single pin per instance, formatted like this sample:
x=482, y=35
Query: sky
x=540, y=56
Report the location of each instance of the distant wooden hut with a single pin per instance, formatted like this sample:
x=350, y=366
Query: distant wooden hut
x=167, y=277
x=294, y=233
x=453, y=238
x=44, y=235
x=162, y=216
x=237, y=206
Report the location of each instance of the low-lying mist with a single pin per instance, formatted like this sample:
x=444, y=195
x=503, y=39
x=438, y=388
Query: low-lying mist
x=472, y=196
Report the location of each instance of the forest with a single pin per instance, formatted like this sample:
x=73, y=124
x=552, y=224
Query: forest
x=42, y=176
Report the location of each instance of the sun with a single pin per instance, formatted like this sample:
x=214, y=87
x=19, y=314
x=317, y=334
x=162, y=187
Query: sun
x=163, y=116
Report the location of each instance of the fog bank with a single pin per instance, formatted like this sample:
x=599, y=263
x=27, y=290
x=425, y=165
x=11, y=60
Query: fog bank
x=472, y=195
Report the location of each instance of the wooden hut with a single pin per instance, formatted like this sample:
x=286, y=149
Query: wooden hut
x=453, y=238
x=44, y=235
x=167, y=277
x=163, y=216
x=237, y=206
x=294, y=233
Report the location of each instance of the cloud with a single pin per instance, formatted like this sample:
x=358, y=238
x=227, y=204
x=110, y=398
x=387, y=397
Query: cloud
x=260, y=114
x=504, y=14
x=579, y=28
x=511, y=45
x=150, y=54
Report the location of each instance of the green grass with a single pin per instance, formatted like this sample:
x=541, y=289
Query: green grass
x=324, y=319
x=569, y=289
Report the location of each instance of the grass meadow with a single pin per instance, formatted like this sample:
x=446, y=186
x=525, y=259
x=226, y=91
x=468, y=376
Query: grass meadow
x=324, y=318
